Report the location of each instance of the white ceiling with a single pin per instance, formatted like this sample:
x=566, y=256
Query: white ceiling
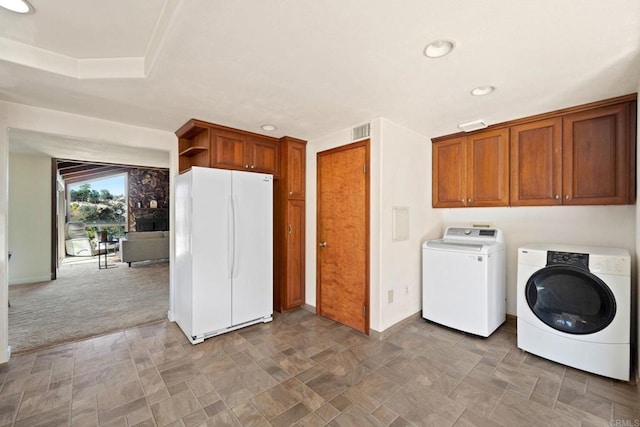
x=313, y=67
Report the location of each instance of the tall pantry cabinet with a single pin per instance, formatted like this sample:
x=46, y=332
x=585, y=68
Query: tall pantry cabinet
x=289, y=224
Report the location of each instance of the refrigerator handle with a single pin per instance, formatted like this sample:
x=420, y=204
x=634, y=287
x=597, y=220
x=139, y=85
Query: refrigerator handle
x=234, y=268
x=230, y=238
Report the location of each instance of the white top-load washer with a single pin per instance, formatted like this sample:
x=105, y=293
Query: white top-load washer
x=574, y=306
x=463, y=280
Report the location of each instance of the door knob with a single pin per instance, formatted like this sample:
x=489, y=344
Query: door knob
x=323, y=244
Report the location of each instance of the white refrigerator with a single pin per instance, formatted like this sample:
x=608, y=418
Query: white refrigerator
x=224, y=251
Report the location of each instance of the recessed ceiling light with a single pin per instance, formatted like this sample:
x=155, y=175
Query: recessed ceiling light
x=439, y=48
x=482, y=90
x=18, y=6
x=268, y=127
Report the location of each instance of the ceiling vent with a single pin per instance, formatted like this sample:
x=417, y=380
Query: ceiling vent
x=471, y=126
x=360, y=132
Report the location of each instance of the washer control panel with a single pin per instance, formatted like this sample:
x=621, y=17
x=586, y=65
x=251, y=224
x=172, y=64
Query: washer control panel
x=471, y=232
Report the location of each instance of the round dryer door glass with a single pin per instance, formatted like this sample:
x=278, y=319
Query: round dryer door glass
x=570, y=299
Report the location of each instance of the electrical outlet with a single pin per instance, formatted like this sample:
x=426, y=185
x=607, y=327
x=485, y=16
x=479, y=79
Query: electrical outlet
x=390, y=296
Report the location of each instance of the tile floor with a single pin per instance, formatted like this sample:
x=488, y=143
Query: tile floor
x=308, y=371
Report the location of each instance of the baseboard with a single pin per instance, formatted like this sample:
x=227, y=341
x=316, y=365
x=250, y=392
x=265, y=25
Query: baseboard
x=171, y=316
x=380, y=335
x=34, y=279
x=309, y=308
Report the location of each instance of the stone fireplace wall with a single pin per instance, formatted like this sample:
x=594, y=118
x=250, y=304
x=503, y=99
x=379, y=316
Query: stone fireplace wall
x=147, y=186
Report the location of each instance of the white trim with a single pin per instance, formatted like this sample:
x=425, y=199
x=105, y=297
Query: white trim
x=137, y=67
x=32, y=279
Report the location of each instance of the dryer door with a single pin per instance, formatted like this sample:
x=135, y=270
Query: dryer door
x=570, y=299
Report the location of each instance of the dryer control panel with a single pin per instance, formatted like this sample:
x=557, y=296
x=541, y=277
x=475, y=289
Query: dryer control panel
x=568, y=258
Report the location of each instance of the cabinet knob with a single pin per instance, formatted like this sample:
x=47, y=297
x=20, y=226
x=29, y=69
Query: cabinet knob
x=253, y=166
x=469, y=200
x=323, y=244
x=246, y=166
x=290, y=229
x=290, y=192
x=566, y=196
x=557, y=197
x=462, y=200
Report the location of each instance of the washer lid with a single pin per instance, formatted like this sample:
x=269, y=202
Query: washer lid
x=445, y=245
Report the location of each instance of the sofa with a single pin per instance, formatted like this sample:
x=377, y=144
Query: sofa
x=144, y=246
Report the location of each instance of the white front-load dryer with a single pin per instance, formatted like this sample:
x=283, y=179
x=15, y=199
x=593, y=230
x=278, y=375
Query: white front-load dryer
x=574, y=306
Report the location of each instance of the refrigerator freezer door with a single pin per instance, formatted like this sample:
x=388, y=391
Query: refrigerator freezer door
x=210, y=250
x=252, y=283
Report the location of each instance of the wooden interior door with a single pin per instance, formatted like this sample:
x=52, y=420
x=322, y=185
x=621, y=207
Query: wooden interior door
x=343, y=235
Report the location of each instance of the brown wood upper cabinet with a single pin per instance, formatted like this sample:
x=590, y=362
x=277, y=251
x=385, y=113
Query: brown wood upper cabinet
x=295, y=158
x=471, y=170
x=582, y=155
x=209, y=145
x=536, y=163
x=596, y=157
x=578, y=159
x=238, y=151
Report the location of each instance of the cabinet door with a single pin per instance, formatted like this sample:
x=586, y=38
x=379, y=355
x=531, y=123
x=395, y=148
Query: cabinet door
x=229, y=150
x=596, y=164
x=488, y=168
x=449, y=173
x=263, y=156
x=296, y=158
x=294, y=289
x=536, y=163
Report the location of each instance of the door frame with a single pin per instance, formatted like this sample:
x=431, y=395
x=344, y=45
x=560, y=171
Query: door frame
x=366, y=143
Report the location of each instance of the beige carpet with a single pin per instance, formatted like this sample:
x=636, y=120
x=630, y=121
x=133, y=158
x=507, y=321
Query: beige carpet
x=85, y=301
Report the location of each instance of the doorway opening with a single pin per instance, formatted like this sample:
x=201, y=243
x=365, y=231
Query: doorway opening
x=93, y=301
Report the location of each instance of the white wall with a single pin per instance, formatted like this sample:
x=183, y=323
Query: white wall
x=29, y=218
x=612, y=226
x=400, y=175
x=22, y=117
x=405, y=181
